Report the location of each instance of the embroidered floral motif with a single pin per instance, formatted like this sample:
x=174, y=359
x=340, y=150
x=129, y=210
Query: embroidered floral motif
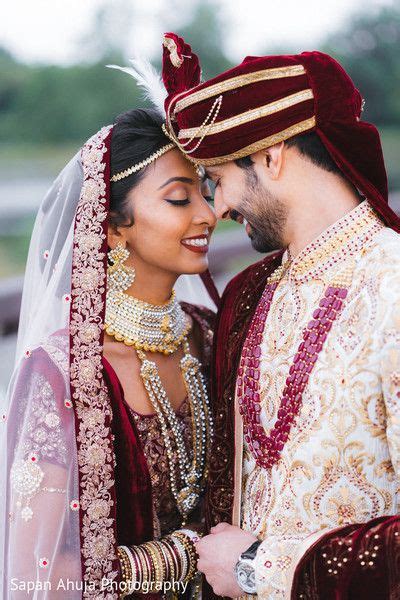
x=44, y=437
x=89, y=393
x=347, y=508
x=341, y=462
x=26, y=477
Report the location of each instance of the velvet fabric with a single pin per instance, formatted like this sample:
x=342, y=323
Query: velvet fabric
x=336, y=107
x=133, y=489
x=132, y=478
x=177, y=80
x=353, y=562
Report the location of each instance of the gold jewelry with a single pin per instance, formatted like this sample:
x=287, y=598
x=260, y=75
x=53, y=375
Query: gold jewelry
x=119, y=276
x=157, y=560
x=126, y=569
x=190, y=550
x=191, y=474
x=142, y=164
x=163, y=329
x=201, y=130
x=149, y=327
x=172, y=559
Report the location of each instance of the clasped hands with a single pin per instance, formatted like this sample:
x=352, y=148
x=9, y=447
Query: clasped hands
x=218, y=554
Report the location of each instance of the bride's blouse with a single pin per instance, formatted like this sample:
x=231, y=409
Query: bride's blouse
x=166, y=516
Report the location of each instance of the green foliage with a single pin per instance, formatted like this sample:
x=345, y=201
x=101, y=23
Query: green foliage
x=204, y=35
x=57, y=105
x=369, y=49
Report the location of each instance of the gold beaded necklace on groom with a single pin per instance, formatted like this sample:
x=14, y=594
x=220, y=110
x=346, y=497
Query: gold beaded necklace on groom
x=163, y=329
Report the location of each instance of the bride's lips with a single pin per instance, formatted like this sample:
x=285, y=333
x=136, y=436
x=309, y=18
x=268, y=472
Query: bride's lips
x=197, y=243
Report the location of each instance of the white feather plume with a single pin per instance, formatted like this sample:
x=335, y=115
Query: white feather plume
x=148, y=79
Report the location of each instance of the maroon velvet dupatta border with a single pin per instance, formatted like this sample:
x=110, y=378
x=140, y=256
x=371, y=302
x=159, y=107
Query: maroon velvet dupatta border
x=111, y=462
x=89, y=394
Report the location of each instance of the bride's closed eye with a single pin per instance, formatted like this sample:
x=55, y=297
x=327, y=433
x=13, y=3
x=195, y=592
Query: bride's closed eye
x=178, y=202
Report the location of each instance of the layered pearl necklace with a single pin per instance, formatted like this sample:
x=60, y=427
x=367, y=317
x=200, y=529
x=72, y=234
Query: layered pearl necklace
x=164, y=328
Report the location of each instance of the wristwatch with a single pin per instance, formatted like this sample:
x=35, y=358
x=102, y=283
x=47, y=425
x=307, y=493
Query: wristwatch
x=244, y=569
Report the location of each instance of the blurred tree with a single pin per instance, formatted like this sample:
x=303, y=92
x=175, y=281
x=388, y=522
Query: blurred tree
x=108, y=35
x=52, y=104
x=205, y=32
x=369, y=49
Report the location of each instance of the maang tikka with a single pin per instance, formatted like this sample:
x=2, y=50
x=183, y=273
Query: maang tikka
x=119, y=276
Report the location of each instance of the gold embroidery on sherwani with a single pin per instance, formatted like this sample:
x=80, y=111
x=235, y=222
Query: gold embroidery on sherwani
x=341, y=463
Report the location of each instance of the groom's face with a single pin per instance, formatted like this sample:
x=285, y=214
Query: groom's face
x=241, y=196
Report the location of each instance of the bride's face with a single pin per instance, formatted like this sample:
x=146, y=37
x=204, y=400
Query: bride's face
x=173, y=218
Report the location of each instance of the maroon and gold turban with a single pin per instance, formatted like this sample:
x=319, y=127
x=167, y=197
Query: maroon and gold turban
x=268, y=99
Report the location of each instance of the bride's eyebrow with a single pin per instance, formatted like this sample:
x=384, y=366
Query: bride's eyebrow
x=181, y=179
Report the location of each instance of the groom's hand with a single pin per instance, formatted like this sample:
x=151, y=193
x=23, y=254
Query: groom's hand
x=218, y=555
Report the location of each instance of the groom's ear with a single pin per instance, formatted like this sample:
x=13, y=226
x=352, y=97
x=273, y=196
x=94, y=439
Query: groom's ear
x=274, y=160
x=270, y=160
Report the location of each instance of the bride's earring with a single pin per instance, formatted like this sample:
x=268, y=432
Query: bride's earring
x=119, y=276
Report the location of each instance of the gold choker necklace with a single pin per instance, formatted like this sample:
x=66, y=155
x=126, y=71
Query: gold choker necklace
x=149, y=327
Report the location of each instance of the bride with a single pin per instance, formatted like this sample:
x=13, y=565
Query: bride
x=108, y=424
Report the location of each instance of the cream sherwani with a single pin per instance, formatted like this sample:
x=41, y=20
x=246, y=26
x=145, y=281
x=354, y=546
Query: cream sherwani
x=341, y=463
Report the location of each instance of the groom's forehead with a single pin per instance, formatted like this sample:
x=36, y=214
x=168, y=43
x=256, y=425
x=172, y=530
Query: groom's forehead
x=212, y=171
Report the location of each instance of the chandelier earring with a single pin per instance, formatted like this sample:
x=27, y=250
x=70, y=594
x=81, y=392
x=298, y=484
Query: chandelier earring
x=119, y=276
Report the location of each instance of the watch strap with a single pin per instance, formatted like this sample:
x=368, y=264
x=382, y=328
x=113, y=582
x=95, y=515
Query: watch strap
x=251, y=552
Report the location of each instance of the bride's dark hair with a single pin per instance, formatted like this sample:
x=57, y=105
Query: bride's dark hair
x=136, y=135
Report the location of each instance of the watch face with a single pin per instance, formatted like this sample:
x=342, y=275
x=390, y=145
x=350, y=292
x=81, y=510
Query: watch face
x=246, y=576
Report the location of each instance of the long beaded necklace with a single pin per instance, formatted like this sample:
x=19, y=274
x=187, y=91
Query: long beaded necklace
x=266, y=448
x=164, y=329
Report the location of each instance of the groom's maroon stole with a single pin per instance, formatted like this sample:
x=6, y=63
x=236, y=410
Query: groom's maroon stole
x=371, y=569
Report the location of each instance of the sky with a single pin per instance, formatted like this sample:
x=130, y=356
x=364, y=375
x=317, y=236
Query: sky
x=50, y=31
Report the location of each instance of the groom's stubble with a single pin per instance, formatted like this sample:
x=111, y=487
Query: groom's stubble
x=266, y=214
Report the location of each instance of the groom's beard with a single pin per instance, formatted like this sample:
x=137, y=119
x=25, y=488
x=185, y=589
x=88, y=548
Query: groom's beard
x=266, y=216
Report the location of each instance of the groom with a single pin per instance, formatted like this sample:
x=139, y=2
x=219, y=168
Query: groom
x=303, y=490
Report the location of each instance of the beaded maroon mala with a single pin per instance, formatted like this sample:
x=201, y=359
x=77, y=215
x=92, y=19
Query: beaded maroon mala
x=267, y=449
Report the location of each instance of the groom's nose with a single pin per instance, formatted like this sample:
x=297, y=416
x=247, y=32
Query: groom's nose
x=220, y=207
